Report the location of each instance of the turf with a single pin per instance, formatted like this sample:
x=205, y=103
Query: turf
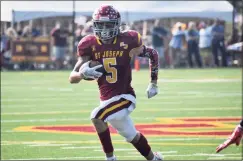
x=47, y=99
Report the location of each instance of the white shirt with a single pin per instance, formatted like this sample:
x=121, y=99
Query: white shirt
x=205, y=37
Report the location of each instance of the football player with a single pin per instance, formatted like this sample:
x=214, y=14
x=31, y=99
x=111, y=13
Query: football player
x=114, y=50
x=234, y=138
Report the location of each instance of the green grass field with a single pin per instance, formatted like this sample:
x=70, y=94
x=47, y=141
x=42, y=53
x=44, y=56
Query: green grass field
x=33, y=101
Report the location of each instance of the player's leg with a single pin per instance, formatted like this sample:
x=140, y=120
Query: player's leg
x=224, y=54
x=103, y=132
x=99, y=117
x=126, y=128
x=197, y=55
x=234, y=138
x=215, y=52
x=189, y=54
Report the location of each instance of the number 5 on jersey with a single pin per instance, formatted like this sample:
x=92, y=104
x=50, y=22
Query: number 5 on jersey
x=109, y=69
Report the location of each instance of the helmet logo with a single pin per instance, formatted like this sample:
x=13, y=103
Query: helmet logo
x=104, y=18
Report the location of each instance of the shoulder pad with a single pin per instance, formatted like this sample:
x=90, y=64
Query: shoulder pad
x=137, y=39
x=84, y=45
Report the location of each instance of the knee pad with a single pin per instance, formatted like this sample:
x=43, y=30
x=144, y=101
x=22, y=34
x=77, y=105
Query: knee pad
x=125, y=128
x=128, y=134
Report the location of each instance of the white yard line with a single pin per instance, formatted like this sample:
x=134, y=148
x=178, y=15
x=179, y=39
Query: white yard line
x=216, y=80
x=185, y=139
x=68, y=119
x=128, y=156
x=194, y=109
x=119, y=149
x=116, y=142
x=47, y=144
x=142, y=98
x=82, y=147
x=44, y=120
x=205, y=154
x=224, y=158
x=147, y=110
x=162, y=152
x=76, y=104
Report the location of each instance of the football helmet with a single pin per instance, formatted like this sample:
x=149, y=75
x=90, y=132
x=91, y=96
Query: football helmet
x=106, y=22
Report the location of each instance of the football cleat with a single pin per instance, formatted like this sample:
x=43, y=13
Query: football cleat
x=111, y=158
x=158, y=156
x=234, y=138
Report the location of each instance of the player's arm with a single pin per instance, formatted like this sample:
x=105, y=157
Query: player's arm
x=76, y=76
x=144, y=51
x=234, y=138
x=82, y=69
x=152, y=54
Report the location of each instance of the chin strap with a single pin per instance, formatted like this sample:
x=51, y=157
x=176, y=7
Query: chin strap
x=154, y=63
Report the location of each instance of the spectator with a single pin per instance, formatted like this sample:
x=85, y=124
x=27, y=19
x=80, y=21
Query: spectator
x=87, y=29
x=218, y=43
x=192, y=38
x=19, y=30
x=205, y=41
x=35, y=31
x=11, y=35
x=3, y=47
x=78, y=35
x=234, y=38
x=176, y=44
x=3, y=42
x=158, y=35
x=241, y=39
x=27, y=32
x=59, y=42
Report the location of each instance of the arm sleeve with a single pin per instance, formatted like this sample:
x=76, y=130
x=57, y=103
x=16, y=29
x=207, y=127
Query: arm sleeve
x=154, y=61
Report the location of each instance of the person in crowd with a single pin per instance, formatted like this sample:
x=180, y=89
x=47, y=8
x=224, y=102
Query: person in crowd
x=218, y=43
x=87, y=29
x=78, y=35
x=159, y=33
x=6, y=51
x=59, y=42
x=176, y=44
x=3, y=47
x=234, y=38
x=27, y=32
x=205, y=41
x=35, y=31
x=192, y=38
x=19, y=30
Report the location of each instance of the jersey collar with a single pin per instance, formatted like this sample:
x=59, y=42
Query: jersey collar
x=100, y=43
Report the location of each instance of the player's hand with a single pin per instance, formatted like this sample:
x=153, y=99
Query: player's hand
x=234, y=138
x=152, y=90
x=88, y=72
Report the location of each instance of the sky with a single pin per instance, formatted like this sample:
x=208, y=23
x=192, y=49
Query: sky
x=151, y=6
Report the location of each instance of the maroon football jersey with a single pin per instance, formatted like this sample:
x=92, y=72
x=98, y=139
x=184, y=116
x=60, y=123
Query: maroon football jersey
x=115, y=59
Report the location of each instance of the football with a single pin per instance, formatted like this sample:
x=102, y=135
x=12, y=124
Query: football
x=95, y=63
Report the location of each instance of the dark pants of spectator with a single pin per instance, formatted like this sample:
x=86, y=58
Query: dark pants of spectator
x=193, y=49
x=216, y=46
